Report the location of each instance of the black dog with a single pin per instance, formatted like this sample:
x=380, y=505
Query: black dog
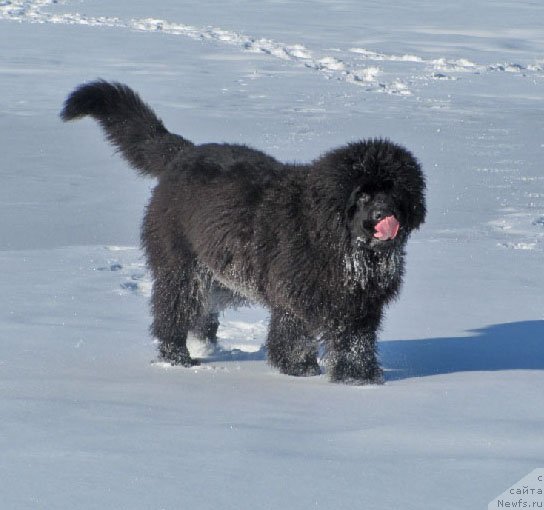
x=321, y=245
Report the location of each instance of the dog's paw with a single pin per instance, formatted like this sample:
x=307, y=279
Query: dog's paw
x=302, y=369
x=374, y=380
x=177, y=356
x=356, y=374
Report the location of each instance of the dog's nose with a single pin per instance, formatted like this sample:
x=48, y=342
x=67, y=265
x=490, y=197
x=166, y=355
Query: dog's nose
x=379, y=214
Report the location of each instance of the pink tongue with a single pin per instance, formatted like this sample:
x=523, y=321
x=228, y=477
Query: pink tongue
x=387, y=228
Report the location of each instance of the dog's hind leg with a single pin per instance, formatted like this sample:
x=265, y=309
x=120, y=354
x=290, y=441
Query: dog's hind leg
x=176, y=303
x=206, y=324
x=218, y=298
x=179, y=294
x=291, y=348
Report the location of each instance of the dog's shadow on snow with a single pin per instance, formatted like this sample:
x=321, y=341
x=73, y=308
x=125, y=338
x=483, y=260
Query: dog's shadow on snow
x=514, y=346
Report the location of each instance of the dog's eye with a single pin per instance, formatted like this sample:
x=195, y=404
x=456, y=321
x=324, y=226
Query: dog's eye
x=364, y=198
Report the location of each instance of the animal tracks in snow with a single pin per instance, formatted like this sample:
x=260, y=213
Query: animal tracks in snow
x=373, y=71
x=526, y=232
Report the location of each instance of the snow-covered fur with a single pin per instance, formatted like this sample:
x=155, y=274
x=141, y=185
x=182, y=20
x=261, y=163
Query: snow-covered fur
x=227, y=223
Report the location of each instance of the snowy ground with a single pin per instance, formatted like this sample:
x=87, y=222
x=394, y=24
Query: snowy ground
x=88, y=422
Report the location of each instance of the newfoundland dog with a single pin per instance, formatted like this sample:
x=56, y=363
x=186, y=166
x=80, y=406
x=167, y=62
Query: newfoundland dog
x=322, y=245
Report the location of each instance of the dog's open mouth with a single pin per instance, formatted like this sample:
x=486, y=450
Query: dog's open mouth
x=387, y=228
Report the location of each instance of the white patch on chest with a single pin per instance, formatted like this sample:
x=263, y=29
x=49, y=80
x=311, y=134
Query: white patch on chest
x=360, y=269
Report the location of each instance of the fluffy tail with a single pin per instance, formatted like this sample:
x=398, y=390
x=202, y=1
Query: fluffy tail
x=129, y=124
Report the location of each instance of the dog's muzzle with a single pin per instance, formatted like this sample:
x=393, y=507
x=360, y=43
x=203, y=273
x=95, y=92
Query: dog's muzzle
x=387, y=227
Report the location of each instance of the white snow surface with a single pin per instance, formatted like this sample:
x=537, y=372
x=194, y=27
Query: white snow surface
x=88, y=420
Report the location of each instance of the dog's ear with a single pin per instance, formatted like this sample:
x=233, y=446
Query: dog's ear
x=417, y=214
x=411, y=196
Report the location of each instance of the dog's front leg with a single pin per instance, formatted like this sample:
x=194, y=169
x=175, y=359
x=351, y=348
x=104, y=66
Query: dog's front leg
x=291, y=348
x=351, y=352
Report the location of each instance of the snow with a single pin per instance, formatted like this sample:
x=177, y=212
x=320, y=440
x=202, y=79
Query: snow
x=88, y=421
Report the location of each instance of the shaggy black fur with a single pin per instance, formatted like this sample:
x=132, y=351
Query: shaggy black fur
x=227, y=223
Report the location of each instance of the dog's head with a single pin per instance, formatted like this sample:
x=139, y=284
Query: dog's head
x=381, y=189
x=373, y=217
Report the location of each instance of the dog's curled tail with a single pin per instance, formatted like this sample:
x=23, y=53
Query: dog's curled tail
x=129, y=124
